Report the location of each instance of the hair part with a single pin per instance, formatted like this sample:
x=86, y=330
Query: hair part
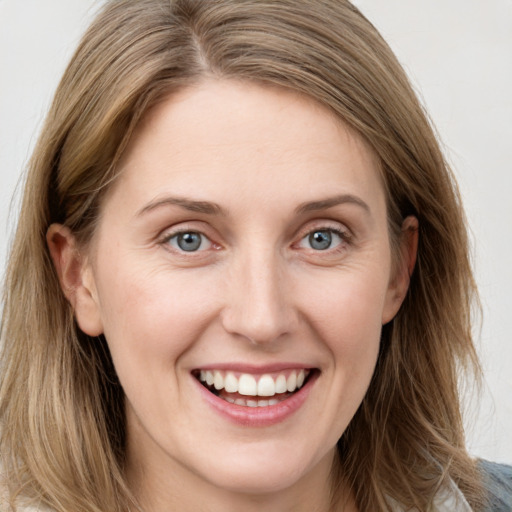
x=61, y=404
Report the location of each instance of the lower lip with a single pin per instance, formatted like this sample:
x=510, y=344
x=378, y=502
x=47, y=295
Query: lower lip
x=259, y=416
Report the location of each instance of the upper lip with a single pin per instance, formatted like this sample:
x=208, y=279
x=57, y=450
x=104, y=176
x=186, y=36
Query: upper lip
x=255, y=369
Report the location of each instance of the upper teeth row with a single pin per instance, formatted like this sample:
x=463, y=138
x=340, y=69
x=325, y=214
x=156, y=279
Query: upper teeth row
x=246, y=384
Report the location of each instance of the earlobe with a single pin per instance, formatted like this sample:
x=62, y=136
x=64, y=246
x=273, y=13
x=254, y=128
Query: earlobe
x=75, y=277
x=402, y=276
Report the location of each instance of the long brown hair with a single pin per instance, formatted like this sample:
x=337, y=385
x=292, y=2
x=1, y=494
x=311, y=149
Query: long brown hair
x=61, y=405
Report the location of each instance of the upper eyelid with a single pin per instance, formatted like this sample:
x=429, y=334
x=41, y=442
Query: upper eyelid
x=324, y=225
x=184, y=227
x=167, y=234
x=344, y=236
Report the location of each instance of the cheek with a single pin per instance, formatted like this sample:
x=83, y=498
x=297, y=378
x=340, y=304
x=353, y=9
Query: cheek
x=151, y=319
x=345, y=312
x=352, y=332
x=346, y=308
x=345, y=315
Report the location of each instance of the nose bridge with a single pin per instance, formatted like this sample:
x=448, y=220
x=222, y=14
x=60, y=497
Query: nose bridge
x=259, y=306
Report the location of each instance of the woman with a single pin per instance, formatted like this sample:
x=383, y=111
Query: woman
x=240, y=279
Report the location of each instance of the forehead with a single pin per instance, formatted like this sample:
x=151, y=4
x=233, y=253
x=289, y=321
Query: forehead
x=236, y=140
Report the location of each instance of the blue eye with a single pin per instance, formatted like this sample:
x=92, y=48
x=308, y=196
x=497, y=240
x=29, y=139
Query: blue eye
x=189, y=241
x=322, y=239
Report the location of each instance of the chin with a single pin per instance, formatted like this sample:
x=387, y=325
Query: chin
x=257, y=481
x=265, y=471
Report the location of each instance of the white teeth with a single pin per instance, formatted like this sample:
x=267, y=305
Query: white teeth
x=248, y=385
x=291, y=382
x=253, y=403
x=281, y=384
x=231, y=383
x=300, y=378
x=266, y=386
x=218, y=380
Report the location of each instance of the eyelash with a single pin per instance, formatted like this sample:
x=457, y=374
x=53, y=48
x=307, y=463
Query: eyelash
x=343, y=235
x=167, y=239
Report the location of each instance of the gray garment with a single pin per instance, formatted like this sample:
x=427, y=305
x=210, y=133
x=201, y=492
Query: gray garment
x=498, y=482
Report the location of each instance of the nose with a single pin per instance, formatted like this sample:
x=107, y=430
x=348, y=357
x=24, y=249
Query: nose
x=259, y=303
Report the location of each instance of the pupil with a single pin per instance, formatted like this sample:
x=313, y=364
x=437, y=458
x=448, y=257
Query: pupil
x=320, y=240
x=189, y=241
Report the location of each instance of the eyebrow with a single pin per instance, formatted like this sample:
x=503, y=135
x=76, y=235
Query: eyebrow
x=211, y=208
x=324, y=204
x=191, y=205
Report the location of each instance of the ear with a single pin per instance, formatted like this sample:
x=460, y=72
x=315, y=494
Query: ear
x=76, y=278
x=399, y=283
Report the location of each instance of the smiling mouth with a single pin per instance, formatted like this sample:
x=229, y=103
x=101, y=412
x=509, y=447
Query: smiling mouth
x=248, y=390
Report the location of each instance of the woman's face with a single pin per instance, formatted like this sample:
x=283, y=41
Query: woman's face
x=245, y=243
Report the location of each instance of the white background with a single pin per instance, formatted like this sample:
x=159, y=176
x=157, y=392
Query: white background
x=458, y=54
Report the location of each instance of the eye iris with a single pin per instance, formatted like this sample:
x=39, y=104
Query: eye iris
x=320, y=240
x=189, y=241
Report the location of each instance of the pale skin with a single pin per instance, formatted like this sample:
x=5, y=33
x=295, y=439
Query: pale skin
x=252, y=172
